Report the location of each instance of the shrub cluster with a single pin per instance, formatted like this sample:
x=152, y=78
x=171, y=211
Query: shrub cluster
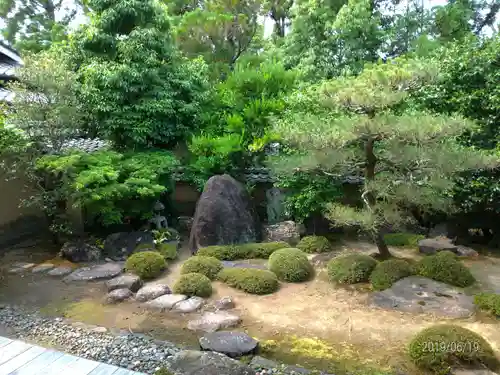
x=244, y=251
x=144, y=247
x=250, y=280
x=208, y=266
x=351, y=268
x=168, y=250
x=447, y=268
x=146, y=264
x=291, y=265
x=440, y=347
x=403, y=239
x=193, y=284
x=489, y=302
x=314, y=244
x=388, y=272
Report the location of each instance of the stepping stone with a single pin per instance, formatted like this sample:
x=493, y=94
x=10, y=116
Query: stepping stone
x=60, y=271
x=166, y=302
x=232, y=344
x=231, y=264
x=20, y=267
x=213, y=321
x=225, y=303
x=97, y=272
x=151, y=291
x=129, y=281
x=118, y=295
x=259, y=362
x=189, y=305
x=193, y=362
x=42, y=268
x=433, y=245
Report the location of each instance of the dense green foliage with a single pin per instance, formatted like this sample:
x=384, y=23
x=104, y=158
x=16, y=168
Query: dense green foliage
x=168, y=250
x=489, y=302
x=440, y=347
x=351, y=268
x=314, y=244
x=250, y=280
x=388, y=272
x=447, y=268
x=193, y=284
x=244, y=251
x=291, y=265
x=208, y=266
x=403, y=239
x=146, y=264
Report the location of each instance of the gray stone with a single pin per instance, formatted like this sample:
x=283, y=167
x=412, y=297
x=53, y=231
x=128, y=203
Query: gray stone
x=97, y=272
x=23, y=265
x=232, y=344
x=259, y=362
x=296, y=370
x=118, y=295
x=433, y=245
x=421, y=295
x=275, y=205
x=60, y=271
x=213, y=321
x=189, y=305
x=44, y=267
x=465, y=251
x=129, y=281
x=191, y=362
x=16, y=270
x=122, y=244
x=151, y=291
x=166, y=302
x=80, y=251
x=231, y=264
x=225, y=303
x=472, y=371
x=287, y=231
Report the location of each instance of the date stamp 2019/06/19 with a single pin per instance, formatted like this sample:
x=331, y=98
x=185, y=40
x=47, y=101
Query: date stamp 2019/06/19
x=450, y=347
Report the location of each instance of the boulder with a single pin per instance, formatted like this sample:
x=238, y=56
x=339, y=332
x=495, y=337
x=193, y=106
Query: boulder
x=80, y=251
x=259, y=362
x=122, y=244
x=128, y=281
x=225, y=303
x=433, y=245
x=232, y=344
x=118, y=295
x=192, y=362
x=44, y=267
x=97, y=272
x=224, y=215
x=421, y=295
x=60, y=271
x=151, y=291
x=232, y=264
x=166, y=302
x=189, y=305
x=213, y=321
x=287, y=231
x=465, y=251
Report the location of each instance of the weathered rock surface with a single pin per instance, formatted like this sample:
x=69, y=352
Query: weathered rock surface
x=224, y=215
x=225, y=303
x=21, y=267
x=213, y=321
x=122, y=244
x=232, y=344
x=60, y=271
x=192, y=362
x=151, y=291
x=166, y=302
x=231, y=264
x=287, y=231
x=189, y=305
x=44, y=267
x=80, y=251
x=259, y=362
x=97, y=272
x=118, y=295
x=421, y=295
x=129, y=281
x=433, y=245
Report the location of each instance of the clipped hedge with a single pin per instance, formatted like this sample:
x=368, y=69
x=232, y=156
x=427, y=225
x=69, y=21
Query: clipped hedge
x=388, y=272
x=447, y=268
x=244, y=251
x=193, y=284
x=489, y=302
x=146, y=264
x=291, y=265
x=250, y=280
x=208, y=266
x=168, y=250
x=403, y=239
x=314, y=244
x=351, y=268
x=440, y=347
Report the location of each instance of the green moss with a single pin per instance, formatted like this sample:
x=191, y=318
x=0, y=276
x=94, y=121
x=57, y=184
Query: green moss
x=314, y=244
x=146, y=264
x=163, y=371
x=403, y=239
x=244, y=251
x=208, y=266
x=193, y=284
x=291, y=265
x=388, y=272
x=250, y=280
x=440, y=347
x=489, y=302
x=447, y=268
x=351, y=268
x=168, y=250
x=144, y=247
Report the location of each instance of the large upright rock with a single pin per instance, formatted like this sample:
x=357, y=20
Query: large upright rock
x=224, y=215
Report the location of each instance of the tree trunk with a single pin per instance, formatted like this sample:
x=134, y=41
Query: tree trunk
x=381, y=245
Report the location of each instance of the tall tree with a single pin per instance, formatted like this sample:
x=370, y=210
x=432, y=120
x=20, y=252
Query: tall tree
x=279, y=12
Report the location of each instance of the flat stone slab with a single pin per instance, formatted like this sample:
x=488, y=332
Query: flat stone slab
x=60, y=271
x=232, y=344
x=42, y=268
x=231, y=264
x=225, y=303
x=189, y=305
x=128, y=281
x=97, y=272
x=192, y=362
x=433, y=245
x=166, y=302
x=213, y=321
x=118, y=295
x=151, y=291
x=20, y=267
x=421, y=295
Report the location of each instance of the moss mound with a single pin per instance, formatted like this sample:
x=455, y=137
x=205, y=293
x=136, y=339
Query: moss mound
x=146, y=264
x=144, y=247
x=351, y=268
x=168, y=250
x=442, y=346
x=244, y=251
x=291, y=265
x=314, y=244
x=208, y=266
x=403, y=239
x=447, y=268
x=388, y=272
x=193, y=284
x=250, y=280
x=489, y=302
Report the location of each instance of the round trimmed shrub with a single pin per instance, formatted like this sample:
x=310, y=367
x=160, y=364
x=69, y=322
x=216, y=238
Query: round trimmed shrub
x=403, y=239
x=243, y=251
x=351, y=268
x=440, y=347
x=208, y=266
x=168, y=250
x=250, y=280
x=447, y=268
x=291, y=265
x=314, y=244
x=193, y=284
x=388, y=272
x=488, y=302
x=222, y=252
x=146, y=264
